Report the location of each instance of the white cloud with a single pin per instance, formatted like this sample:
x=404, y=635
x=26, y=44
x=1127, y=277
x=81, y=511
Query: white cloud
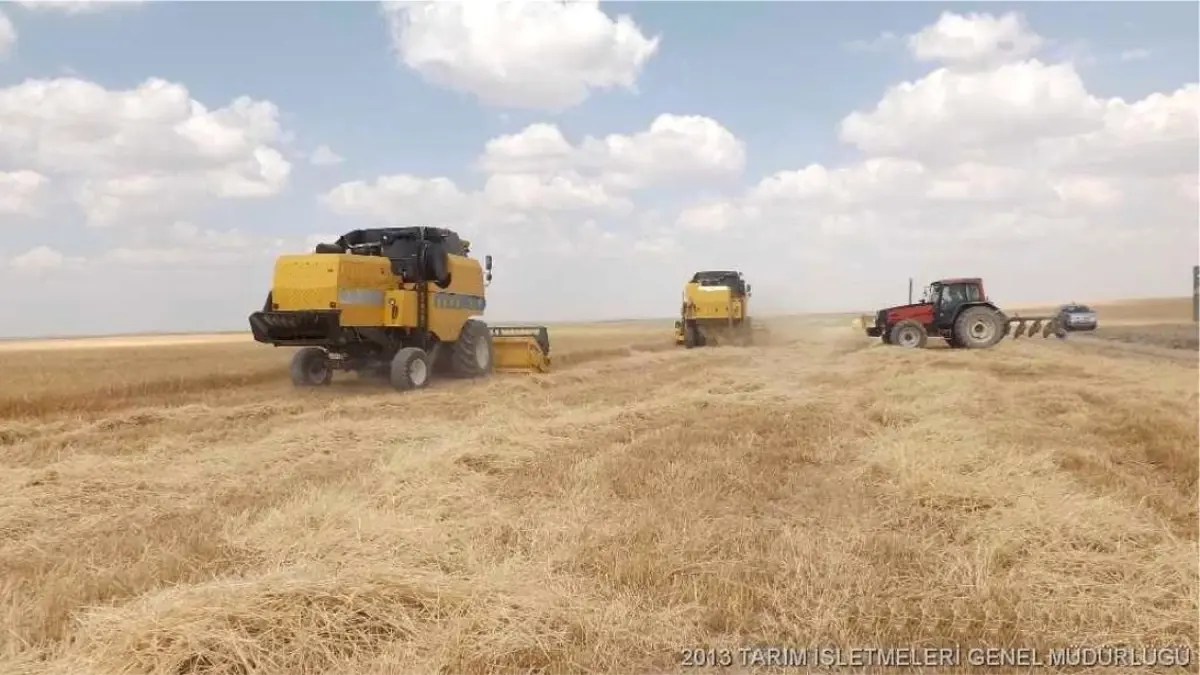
x=526, y=54
x=147, y=152
x=324, y=156
x=401, y=198
x=1138, y=54
x=974, y=39
x=1027, y=113
x=40, y=259
x=537, y=171
x=563, y=192
x=879, y=43
x=8, y=36
x=184, y=244
x=77, y=6
x=675, y=148
x=20, y=192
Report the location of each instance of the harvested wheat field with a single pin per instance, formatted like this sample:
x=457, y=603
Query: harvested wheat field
x=181, y=509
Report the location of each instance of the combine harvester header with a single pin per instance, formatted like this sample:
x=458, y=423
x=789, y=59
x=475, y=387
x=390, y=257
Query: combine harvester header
x=958, y=311
x=523, y=348
x=396, y=303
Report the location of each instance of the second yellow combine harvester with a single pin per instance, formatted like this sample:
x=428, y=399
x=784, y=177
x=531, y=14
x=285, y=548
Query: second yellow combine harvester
x=715, y=310
x=400, y=303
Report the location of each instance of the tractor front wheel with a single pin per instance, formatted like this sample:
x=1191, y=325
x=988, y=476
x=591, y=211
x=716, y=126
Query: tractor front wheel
x=310, y=368
x=471, y=354
x=411, y=369
x=978, y=328
x=909, y=334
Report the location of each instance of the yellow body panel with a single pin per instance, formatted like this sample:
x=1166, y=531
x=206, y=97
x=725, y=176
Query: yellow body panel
x=354, y=284
x=367, y=293
x=518, y=355
x=712, y=302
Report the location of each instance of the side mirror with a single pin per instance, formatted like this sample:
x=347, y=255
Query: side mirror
x=749, y=289
x=487, y=263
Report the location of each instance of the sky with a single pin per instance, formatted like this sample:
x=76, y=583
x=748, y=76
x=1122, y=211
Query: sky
x=156, y=157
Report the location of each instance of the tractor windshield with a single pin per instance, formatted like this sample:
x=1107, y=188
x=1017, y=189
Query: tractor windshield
x=957, y=294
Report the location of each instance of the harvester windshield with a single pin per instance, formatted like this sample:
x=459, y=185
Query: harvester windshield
x=408, y=248
x=721, y=278
x=381, y=241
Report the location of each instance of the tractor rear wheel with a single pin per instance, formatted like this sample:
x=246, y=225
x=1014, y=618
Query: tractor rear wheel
x=471, y=355
x=978, y=328
x=910, y=334
x=310, y=368
x=410, y=369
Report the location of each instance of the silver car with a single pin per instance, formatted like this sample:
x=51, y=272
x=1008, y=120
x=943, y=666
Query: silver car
x=1076, y=317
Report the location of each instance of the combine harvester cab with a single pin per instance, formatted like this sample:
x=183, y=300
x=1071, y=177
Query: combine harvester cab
x=959, y=312
x=715, y=311
x=395, y=303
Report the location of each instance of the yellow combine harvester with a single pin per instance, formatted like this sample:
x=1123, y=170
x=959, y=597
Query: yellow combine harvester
x=394, y=302
x=716, y=310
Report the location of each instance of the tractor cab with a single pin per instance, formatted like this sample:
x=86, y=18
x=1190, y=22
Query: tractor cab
x=948, y=295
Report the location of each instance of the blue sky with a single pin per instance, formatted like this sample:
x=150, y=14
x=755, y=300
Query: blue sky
x=779, y=76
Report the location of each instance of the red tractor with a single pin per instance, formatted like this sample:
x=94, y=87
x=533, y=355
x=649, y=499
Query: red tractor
x=958, y=311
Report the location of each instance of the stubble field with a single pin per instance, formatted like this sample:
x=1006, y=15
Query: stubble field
x=179, y=508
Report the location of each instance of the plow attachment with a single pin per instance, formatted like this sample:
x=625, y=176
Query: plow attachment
x=521, y=349
x=1032, y=325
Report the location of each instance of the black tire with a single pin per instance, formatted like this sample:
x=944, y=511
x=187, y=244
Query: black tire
x=411, y=369
x=691, y=335
x=310, y=368
x=472, y=354
x=909, y=334
x=979, y=327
